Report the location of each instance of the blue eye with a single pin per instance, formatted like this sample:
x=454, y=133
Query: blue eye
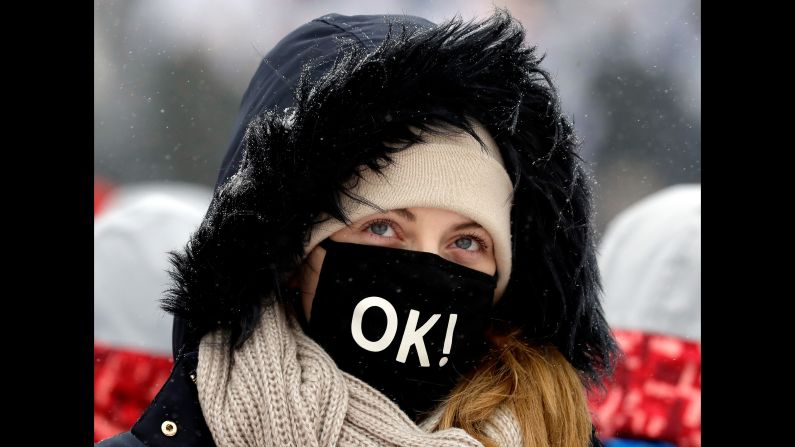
x=471, y=243
x=463, y=243
x=381, y=228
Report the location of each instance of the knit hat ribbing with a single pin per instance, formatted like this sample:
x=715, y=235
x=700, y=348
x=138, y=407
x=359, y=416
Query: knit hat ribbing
x=450, y=171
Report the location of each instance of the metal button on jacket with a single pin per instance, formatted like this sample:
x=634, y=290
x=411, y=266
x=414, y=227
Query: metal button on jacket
x=168, y=428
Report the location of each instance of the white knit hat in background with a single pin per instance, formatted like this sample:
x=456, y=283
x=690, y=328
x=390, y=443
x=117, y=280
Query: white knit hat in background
x=450, y=171
x=650, y=261
x=139, y=225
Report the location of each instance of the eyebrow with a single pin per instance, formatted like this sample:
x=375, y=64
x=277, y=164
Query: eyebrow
x=408, y=215
x=466, y=225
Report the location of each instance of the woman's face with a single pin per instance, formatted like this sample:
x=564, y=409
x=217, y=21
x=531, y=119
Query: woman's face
x=433, y=230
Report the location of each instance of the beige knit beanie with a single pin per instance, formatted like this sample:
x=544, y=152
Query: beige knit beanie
x=450, y=171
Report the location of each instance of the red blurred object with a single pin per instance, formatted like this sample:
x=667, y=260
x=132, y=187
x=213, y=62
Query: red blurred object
x=102, y=189
x=655, y=393
x=125, y=382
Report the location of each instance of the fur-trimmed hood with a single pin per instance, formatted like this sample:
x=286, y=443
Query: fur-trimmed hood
x=342, y=92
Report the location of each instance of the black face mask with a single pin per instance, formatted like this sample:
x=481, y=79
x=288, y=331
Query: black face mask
x=408, y=323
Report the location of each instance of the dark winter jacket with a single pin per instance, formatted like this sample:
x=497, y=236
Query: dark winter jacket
x=342, y=92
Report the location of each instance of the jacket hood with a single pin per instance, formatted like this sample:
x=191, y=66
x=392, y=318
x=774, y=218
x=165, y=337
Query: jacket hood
x=309, y=50
x=340, y=93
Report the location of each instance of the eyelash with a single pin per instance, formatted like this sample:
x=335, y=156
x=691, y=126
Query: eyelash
x=481, y=243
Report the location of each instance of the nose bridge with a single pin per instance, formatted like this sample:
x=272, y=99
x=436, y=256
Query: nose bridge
x=427, y=241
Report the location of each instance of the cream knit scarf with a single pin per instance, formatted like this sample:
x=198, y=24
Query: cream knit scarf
x=282, y=389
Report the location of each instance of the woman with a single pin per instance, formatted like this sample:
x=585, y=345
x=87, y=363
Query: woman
x=400, y=253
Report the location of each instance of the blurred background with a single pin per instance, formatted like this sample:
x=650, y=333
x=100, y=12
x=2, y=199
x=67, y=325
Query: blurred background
x=169, y=75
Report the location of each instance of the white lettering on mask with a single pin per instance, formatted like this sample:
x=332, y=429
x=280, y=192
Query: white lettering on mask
x=413, y=336
x=391, y=324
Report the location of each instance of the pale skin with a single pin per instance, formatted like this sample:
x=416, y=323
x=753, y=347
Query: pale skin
x=445, y=233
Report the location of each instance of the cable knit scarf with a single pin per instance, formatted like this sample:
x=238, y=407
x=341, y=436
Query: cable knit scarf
x=282, y=389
